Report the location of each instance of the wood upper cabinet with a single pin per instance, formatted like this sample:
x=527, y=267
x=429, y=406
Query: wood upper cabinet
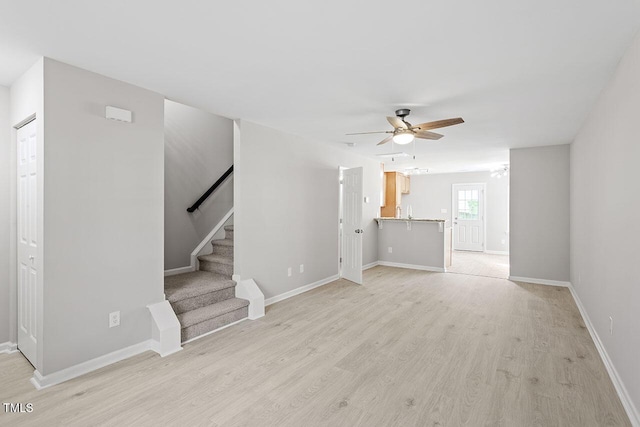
x=396, y=184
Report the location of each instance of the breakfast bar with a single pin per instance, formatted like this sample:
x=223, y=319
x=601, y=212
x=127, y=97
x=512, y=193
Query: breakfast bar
x=418, y=243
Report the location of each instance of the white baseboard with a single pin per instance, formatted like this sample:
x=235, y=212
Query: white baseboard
x=370, y=265
x=43, y=381
x=412, y=266
x=540, y=281
x=179, y=270
x=214, y=331
x=300, y=290
x=8, y=347
x=623, y=394
x=497, y=252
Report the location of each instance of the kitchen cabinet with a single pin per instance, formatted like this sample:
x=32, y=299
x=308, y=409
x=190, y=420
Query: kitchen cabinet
x=395, y=185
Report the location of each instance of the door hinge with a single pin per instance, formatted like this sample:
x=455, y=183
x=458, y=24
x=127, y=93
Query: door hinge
x=340, y=220
x=340, y=259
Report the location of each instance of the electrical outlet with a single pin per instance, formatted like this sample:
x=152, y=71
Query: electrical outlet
x=611, y=325
x=443, y=211
x=301, y=268
x=289, y=272
x=114, y=319
x=390, y=250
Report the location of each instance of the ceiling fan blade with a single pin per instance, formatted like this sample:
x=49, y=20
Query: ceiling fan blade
x=387, y=139
x=438, y=124
x=397, y=122
x=423, y=134
x=366, y=133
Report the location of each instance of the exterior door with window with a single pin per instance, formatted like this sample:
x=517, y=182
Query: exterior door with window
x=468, y=217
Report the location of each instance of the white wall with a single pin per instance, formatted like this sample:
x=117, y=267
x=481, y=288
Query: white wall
x=103, y=215
x=539, y=244
x=431, y=193
x=605, y=267
x=286, y=204
x=5, y=203
x=198, y=150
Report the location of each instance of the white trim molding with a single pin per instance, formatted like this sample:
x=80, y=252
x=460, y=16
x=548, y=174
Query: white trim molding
x=412, y=266
x=249, y=290
x=165, y=329
x=370, y=265
x=180, y=270
x=540, y=281
x=497, y=252
x=300, y=290
x=8, y=347
x=623, y=394
x=40, y=381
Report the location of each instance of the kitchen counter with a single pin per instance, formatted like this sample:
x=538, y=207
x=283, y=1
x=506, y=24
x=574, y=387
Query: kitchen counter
x=409, y=219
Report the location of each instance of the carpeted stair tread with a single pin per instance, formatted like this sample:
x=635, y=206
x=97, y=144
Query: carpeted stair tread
x=222, y=259
x=222, y=242
x=193, y=284
x=199, y=315
x=228, y=227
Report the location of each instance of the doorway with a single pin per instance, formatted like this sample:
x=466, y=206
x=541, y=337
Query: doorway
x=468, y=217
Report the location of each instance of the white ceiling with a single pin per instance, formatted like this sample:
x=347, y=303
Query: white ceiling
x=521, y=73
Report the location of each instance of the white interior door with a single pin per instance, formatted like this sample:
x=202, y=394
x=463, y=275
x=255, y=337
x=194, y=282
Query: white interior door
x=468, y=217
x=352, y=200
x=28, y=263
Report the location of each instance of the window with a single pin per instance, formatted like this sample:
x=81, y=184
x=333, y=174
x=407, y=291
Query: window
x=468, y=202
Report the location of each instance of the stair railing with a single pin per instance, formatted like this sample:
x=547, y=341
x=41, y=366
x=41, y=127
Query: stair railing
x=211, y=189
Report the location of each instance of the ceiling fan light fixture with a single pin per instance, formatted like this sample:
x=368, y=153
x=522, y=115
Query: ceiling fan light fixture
x=403, y=138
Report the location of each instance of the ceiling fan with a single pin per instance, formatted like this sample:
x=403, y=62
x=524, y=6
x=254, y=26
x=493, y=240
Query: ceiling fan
x=404, y=132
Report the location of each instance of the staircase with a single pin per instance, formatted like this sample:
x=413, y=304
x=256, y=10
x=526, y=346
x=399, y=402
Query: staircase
x=204, y=300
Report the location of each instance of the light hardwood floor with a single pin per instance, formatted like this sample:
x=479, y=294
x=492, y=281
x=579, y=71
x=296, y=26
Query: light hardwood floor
x=479, y=264
x=408, y=348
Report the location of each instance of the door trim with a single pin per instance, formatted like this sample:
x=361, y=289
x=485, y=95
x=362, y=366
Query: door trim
x=484, y=218
x=340, y=214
